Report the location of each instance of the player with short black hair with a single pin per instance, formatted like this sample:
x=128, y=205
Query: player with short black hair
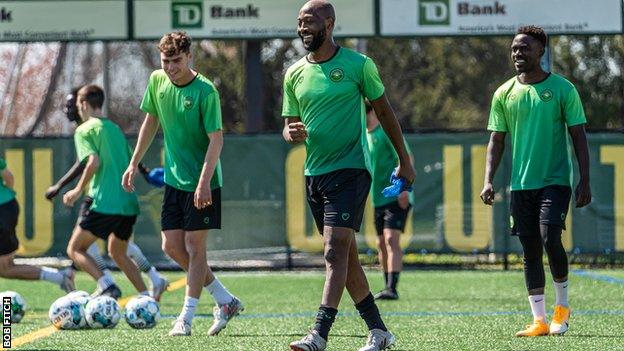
x=187, y=106
x=539, y=109
x=324, y=107
x=106, y=284
x=100, y=143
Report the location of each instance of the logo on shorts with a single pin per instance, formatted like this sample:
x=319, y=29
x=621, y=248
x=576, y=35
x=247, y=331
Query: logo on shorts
x=206, y=220
x=345, y=216
x=188, y=102
x=563, y=216
x=546, y=95
x=511, y=222
x=336, y=75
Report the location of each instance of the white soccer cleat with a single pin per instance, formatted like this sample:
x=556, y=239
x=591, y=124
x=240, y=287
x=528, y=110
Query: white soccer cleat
x=311, y=342
x=223, y=314
x=561, y=320
x=68, y=280
x=378, y=340
x=159, y=288
x=180, y=328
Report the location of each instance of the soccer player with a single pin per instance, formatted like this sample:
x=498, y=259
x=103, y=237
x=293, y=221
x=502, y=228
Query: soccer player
x=324, y=107
x=390, y=212
x=186, y=104
x=157, y=281
x=9, y=212
x=101, y=143
x=536, y=108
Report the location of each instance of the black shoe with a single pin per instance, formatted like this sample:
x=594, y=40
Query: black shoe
x=112, y=291
x=387, y=294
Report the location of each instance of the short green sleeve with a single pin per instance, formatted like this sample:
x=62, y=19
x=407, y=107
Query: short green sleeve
x=84, y=145
x=2, y=164
x=148, y=104
x=211, y=112
x=497, y=121
x=372, y=86
x=573, y=109
x=290, y=105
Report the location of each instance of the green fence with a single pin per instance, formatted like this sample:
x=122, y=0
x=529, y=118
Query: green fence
x=264, y=204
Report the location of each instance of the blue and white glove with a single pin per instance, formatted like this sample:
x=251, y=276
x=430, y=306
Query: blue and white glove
x=398, y=185
x=156, y=177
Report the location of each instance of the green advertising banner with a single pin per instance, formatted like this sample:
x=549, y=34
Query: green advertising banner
x=264, y=202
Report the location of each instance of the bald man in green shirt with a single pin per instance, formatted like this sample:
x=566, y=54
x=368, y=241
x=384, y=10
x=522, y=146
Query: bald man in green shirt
x=323, y=107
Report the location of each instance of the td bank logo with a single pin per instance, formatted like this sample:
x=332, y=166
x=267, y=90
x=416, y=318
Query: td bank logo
x=187, y=14
x=434, y=12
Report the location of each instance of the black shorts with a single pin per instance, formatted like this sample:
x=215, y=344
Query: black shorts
x=102, y=225
x=390, y=216
x=338, y=198
x=179, y=211
x=9, y=213
x=530, y=208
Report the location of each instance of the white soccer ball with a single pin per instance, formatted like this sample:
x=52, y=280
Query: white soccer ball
x=81, y=296
x=142, y=312
x=67, y=313
x=18, y=305
x=103, y=312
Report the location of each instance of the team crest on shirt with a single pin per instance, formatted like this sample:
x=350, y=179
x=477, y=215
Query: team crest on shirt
x=336, y=75
x=546, y=95
x=161, y=95
x=188, y=102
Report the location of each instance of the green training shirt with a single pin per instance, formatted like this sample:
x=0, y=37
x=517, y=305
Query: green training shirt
x=6, y=194
x=537, y=116
x=329, y=99
x=384, y=160
x=102, y=137
x=187, y=114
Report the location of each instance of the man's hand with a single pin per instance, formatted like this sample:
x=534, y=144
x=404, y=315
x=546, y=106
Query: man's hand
x=52, y=192
x=403, y=200
x=203, y=196
x=583, y=194
x=296, y=132
x=71, y=196
x=487, y=194
x=127, y=180
x=406, y=172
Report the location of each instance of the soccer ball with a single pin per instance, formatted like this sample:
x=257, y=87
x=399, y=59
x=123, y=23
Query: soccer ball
x=18, y=305
x=142, y=312
x=102, y=312
x=80, y=296
x=67, y=313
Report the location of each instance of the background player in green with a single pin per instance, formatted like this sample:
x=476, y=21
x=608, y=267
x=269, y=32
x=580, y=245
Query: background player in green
x=9, y=213
x=324, y=107
x=186, y=104
x=536, y=108
x=107, y=283
x=390, y=212
x=102, y=144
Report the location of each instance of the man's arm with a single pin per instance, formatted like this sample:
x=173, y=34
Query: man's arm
x=71, y=174
x=495, y=149
x=92, y=165
x=149, y=128
x=203, y=195
x=7, y=178
x=390, y=125
x=579, y=139
x=294, y=130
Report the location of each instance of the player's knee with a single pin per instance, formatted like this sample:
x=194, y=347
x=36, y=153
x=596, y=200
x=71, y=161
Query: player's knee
x=172, y=250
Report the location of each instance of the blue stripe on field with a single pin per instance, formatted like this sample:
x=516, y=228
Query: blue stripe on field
x=596, y=276
x=404, y=314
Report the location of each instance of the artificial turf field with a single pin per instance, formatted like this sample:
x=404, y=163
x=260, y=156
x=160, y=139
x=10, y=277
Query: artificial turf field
x=438, y=310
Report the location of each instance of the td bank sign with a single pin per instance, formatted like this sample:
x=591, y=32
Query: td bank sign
x=190, y=14
x=438, y=12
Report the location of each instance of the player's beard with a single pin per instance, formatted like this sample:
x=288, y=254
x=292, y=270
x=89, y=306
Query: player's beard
x=317, y=40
